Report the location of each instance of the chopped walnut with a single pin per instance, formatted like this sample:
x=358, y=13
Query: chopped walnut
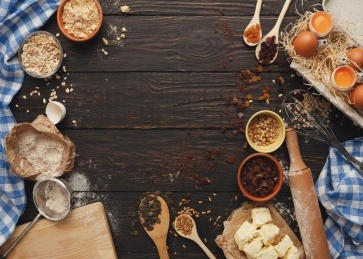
x=264, y=130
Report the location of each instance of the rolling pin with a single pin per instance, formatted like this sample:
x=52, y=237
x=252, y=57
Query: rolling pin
x=306, y=203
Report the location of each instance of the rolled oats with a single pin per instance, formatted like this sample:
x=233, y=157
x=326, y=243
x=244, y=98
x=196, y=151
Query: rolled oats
x=40, y=55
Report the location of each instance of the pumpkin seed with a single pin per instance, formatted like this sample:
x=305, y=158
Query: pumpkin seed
x=157, y=193
x=176, y=176
x=132, y=214
x=150, y=228
x=134, y=233
x=171, y=178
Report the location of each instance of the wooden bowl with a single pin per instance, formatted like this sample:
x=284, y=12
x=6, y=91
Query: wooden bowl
x=280, y=139
x=278, y=182
x=66, y=33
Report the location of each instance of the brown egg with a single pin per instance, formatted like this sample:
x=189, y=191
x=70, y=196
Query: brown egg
x=355, y=58
x=356, y=97
x=305, y=44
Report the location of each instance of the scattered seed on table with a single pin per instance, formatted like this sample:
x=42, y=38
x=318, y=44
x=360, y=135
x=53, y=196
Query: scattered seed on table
x=134, y=233
x=67, y=90
x=209, y=211
x=209, y=198
x=215, y=223
x=24, y=97
x=203, y=212
x=200, y=202
x=175, y=234
x=205, y=240
x=184, y=246
x=210, y=219
x=214, y=194
x=235, y=197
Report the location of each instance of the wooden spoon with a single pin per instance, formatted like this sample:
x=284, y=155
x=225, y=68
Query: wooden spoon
x=195, y=237
x=160, y=231
x=255, y=20
x=274, y=32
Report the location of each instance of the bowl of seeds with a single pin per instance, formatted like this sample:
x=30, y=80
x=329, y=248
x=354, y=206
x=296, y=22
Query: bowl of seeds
x=265, y=131
x=40, y=54
x=79, y=20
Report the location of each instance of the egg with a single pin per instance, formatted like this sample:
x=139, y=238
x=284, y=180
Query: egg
x=355, y=58
x=305, y=44
x=356, y=97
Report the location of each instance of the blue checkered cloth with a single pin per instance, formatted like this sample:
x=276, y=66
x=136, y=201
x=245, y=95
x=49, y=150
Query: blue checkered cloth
x=340, y=190
x=18, y=18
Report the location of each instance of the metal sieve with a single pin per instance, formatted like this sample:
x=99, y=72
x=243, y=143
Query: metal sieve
x=52, y=198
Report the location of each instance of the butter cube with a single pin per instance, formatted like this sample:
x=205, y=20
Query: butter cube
x=244, y=234
x=260, y=216
x=253, y=248
x=282, y=247
x=268, y=233
x=292, y=253
x=267, y=252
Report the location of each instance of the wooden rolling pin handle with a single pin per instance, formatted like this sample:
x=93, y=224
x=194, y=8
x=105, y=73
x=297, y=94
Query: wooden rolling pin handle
x=306, y=202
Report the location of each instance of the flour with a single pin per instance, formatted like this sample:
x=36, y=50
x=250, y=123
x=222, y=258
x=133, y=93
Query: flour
x=79, y=182
x=44, y=154
x=285, y=212
x=57, y=198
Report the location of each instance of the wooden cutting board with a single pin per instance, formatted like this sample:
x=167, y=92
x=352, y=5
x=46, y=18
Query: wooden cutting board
x=84, y=233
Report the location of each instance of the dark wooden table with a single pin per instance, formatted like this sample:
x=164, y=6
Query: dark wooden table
x=157, y=102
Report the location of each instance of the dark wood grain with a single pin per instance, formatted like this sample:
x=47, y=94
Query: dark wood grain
x=157, y=102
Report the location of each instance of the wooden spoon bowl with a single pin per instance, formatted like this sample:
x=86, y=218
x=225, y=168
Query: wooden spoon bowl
x=194, y=236
x=160, y=231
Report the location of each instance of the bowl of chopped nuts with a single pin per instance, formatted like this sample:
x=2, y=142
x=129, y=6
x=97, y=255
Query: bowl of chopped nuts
x=79, y=20
x=40, y=54
x=260, y=177
x=265, y=131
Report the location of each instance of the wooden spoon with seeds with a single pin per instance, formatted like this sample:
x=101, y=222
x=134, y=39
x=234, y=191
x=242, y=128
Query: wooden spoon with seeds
x=185, y=226
x=160, y=230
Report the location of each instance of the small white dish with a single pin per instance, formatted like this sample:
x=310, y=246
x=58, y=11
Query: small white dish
x=55, y=111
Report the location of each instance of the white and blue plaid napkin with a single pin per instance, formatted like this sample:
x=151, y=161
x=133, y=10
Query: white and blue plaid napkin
x=340, y=190
x=18, y=18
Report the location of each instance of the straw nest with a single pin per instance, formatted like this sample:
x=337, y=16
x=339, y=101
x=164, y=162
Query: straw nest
x=323, y=62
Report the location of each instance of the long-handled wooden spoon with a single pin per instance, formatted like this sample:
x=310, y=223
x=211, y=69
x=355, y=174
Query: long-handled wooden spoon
x=194, y=236
x=255, y=20
x=160, y=231
x=274, y=32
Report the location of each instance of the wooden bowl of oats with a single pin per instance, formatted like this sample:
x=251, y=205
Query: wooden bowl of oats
x=79, y=20
x=265, y=131
x=40, y=54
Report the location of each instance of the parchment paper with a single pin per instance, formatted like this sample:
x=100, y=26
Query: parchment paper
x=226, y=240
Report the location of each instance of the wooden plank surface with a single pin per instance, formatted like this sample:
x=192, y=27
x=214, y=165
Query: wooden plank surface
x=157, y=103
